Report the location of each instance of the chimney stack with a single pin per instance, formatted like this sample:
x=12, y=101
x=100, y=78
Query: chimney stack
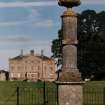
x=21, y=52
x=42, y=52
x=32, y=52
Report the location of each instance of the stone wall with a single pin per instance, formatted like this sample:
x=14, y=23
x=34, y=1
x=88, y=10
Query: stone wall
x=32, y=67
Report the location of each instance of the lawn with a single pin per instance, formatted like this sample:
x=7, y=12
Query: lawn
x=29, y=93
x=94, y=93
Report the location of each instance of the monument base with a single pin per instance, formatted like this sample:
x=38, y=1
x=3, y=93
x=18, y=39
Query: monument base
x=70, y=76
x=70, y=93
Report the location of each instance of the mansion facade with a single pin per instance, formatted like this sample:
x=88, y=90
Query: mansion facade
x=32, y=67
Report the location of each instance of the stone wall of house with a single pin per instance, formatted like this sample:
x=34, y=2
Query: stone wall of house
x=32, y=67
x=3, y=75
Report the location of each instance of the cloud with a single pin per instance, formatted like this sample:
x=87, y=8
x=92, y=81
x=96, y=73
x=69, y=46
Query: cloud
x=16, y=39
x=36, y=22
x=44, y=23
x=32, y=17
x=11, y=43
x=34, y=14
x=9, y=53
x=39, y=23
x=43, y=3
x=26, y=4
x=12, y=49
x=14, y=42
x=12, y=23
x=93, y=2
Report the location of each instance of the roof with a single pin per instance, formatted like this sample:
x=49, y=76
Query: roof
x=20, y=57
x=44, y=57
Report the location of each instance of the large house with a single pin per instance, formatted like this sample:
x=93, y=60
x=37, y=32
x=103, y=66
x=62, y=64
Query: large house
x=32, y=67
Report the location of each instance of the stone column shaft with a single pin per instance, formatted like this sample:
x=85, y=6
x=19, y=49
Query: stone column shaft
x=69, y=50
x=69, y=47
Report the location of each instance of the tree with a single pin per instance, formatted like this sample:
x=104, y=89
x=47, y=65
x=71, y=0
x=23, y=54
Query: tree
x=57, y=48
x=86, y=31
x=91, y=47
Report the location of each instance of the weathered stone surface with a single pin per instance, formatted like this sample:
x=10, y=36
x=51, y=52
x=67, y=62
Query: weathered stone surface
x=69, y=27
x=70, y=76
x=69, y=85
x=69, y=58
x=32, y=67
x=70, y=94
x=3, y=75
x=69, y=49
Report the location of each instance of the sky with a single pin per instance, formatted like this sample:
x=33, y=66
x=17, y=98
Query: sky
x=32, y=24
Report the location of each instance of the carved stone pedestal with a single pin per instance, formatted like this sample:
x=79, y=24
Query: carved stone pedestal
x=70, y=76
x=70, y=93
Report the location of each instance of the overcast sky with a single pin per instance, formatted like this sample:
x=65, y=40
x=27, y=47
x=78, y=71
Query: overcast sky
x=32, y=24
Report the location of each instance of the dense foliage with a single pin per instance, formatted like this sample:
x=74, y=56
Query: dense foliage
x=91, y=47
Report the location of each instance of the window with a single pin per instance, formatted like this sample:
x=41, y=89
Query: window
x=51, y=68
x=45, y=67
x=38, y=61
x=32, y=68
x=18, y=75
x=18, y=67
x=12, y=67
x=32, y=61
x=38, y=67
x=12, y=75
x=25, y=67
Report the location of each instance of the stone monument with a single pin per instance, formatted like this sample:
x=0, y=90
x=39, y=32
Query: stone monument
x=69, y=42
x=69, y=82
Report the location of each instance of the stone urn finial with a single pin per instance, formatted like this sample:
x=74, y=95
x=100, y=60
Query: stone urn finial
x=69, y=3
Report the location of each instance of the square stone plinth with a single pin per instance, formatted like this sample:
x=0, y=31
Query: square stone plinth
x=70, y=93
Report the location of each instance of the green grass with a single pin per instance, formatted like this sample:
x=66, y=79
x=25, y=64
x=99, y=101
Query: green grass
x=29, y=93
x=94, y=93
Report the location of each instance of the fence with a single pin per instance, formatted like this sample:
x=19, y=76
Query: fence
x=23, y=93
x=46, y=94
x=40, y=93
x=94, y=96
